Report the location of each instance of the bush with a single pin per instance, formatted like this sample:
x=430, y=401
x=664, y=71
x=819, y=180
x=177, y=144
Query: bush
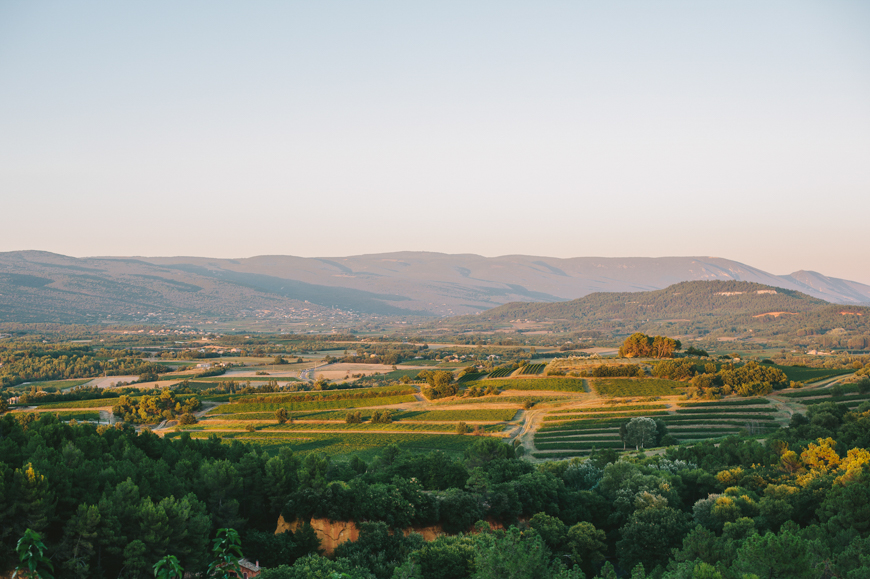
x=382, y=417
x=187, y=418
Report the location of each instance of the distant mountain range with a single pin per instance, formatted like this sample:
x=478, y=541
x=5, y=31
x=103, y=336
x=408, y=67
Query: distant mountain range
x=45, y=287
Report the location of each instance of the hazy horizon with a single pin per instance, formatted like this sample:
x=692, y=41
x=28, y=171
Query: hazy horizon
x=562, y=130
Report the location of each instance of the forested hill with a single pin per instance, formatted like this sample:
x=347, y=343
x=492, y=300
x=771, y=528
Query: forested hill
x=682, y=300
x=696, y=308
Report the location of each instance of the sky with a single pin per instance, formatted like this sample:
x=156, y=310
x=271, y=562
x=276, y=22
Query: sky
x=736, y=129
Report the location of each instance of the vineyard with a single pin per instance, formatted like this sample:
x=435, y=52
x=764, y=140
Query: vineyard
x=624, y=387
x=577, y=432
x=365, y=445
x=532, y=369
x=540, y=384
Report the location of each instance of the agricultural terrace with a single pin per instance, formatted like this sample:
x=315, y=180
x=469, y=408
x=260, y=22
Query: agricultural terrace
x=549, y=416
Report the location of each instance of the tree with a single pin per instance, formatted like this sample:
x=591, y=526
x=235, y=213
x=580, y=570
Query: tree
x=32, y=562
x=640, y=432
x=226, y=553
x=587, y=546
x=649, y=535
x=168, y=568
x=771, y=556
x=4, y=405
x=281, y=415
x=515, y=555
x=317, y=567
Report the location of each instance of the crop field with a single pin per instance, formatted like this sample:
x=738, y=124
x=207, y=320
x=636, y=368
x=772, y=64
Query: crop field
x=501, y=373
x=512, y=400
x=821, y=392
x=479, y=415
x=568, y=418
x=343, y=445
x=807, y=375
x=540, y=384
x=596, y=409
x=719, y=411
x=579, y=430
x=210, y=425
x=66, y=415
x=236, y=408
x=58, y=384
x=717, y=403
x=99, y=403
x=532, y=369
x=624, y=387
x=472, y=376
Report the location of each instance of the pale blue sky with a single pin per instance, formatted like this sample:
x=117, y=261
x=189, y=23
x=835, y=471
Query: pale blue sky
x=734, y=129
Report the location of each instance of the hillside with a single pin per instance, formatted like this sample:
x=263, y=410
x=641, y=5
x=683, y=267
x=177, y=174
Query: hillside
x=698, y=308
x=683, y=300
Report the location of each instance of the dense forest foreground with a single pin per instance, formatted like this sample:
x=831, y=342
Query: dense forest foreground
x=111, y=502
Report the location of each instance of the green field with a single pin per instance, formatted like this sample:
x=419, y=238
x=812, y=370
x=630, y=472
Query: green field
x=99, y=403
x=540, y=384
x=807, y=375
x=725, y=410
x=481, y=415
x=337, y=426
x=581, y=430
x=365, y=445
x=580, y=417
x=614, y=408
x=717, y=403
x=515, y=400
x=624, y=387
x=90, y=415
x=234, y=408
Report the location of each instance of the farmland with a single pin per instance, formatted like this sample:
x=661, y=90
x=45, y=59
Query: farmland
x=364, y=445
x=623, y=387
x=544, y=384
x=549, y=416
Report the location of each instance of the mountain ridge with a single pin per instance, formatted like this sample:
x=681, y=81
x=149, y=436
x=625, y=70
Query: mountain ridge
x=402, y=283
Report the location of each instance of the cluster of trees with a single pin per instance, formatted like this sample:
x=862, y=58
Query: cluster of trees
x=36, y=395
x=149, y=409
x=675, y=369
x=639, y=345
x=440, y=384
x=111, y=502
x=479, y=390
x=750, y=379
x=27, y=364
x=378, y=417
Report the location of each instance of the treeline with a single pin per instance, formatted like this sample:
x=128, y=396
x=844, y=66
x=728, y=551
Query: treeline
x=750, y=379
x=37, y=363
